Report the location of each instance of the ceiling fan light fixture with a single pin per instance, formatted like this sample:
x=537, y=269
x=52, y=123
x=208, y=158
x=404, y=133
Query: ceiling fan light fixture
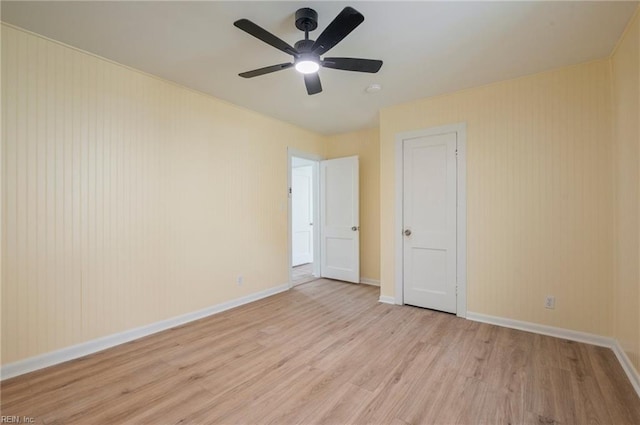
x=306, y=53
x=307, y=66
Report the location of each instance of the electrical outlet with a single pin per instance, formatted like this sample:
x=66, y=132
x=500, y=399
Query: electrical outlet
x=240, y=280
x=550, y=302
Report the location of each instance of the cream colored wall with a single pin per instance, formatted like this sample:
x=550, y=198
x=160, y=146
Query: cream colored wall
x=539, y=202
x=626, y=94
x=128, y=199
x=365, y=144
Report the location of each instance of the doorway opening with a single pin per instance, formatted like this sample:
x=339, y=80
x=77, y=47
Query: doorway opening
x=323, y=218
x=302, y=220
x=304, y=238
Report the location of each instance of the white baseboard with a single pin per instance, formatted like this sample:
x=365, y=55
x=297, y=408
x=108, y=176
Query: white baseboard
x=542, y=329
x=69, y=353
x=386, y=299
x=577, y=336
x=367, y=281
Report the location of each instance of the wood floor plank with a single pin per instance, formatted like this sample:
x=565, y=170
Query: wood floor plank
x=327, y=352
x=531, y=418
x=507, y=369
x=170, y=409
x=617, y=392
x=425, y=395
x=501, y=407
x=340, y=408
x=544, y=394
x=585, y=392
x=387, y=403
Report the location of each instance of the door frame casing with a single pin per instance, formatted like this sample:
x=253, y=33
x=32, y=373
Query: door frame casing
x=461, y=210
x=292, y=152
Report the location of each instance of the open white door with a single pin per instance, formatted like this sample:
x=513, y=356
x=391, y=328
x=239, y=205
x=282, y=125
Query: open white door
x=340, y=230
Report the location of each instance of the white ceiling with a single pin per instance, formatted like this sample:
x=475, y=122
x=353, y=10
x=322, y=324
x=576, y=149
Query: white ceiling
x=428, y=48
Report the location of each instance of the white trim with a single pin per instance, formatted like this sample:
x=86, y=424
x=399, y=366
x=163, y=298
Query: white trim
x=292, y=152
x=386, y=299
x=624, y=360
x=69, y=353
x=367, y=281
x=399, y=261
x=461, y=223
x=461, y=210
x=577, y=336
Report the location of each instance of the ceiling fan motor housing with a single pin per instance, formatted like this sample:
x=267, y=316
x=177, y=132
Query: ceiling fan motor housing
x=306, y=19
x=303, y=45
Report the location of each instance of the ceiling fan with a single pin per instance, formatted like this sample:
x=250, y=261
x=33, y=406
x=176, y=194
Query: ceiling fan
x=306, y=53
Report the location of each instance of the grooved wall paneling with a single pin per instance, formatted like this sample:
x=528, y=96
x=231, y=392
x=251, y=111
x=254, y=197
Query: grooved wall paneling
x=539, y=194
x=128, y=199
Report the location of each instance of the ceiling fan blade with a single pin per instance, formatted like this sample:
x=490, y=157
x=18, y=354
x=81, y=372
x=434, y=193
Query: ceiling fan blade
x=266, y=70
x=312, y=82
x=264, y=35
x=339, y=28
x=353, y=64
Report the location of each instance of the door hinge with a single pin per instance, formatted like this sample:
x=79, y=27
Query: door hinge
x=456, y=152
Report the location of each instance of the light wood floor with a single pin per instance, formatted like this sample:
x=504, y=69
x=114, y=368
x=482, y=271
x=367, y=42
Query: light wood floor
x=328, y=352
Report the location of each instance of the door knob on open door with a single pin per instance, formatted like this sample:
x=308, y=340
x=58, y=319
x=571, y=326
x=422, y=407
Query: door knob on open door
x=355, y=228
x=407, y=232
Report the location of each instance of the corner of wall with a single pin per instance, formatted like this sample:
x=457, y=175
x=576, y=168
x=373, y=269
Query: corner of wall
x=625, y=100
